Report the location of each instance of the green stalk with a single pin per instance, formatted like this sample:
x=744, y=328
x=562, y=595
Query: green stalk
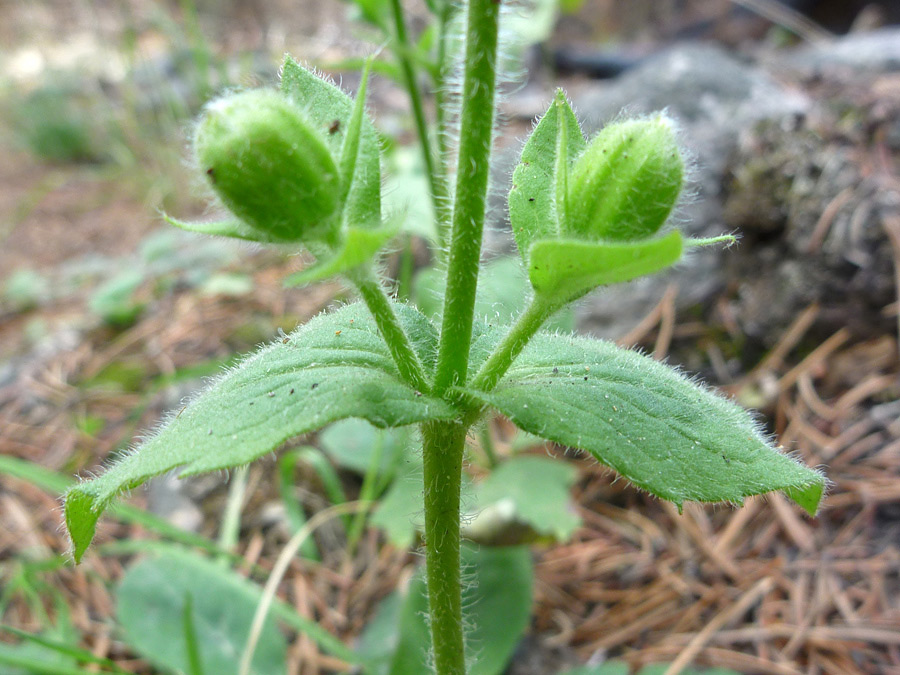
x=444, y=19
x=436, y=176
x=443, y=445
x=528, y=323
x=398, y=343
x=473, y=171
x=487, y=446
x=444, y=442
x=230, y=531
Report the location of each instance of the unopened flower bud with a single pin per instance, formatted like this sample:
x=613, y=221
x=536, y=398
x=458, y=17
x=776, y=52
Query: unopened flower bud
x=269, y=165
x=626, y=182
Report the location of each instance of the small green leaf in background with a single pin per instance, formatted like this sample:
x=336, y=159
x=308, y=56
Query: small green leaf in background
x=537, y=489
x=150, y=606
x=621, y=668
x=53, y=650
x=407, y=194
x=114, y=300
x=651, y=424
x=334, y=367
x=228, y=284
x=496, y=609
x=25, y=289
x=351, y=443
x=607, y=668
x=399, y=513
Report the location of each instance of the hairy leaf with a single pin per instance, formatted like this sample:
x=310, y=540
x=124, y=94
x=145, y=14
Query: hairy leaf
x=334, y=367
x=564, y=270
x=332, y=111
x=663, y=432
x=532, y=200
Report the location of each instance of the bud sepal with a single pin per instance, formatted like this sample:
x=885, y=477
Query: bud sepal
x=270, y=166
x=627, y=181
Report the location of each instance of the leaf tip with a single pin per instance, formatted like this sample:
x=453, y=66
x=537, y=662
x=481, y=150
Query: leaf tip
x=808, y=496
x=81, y=521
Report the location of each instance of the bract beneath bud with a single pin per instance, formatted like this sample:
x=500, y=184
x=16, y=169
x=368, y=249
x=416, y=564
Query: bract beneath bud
x=626, y=182
x=269, y=166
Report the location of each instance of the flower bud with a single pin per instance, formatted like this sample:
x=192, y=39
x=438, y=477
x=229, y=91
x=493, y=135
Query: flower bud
x=269, y=166
x=626, y=182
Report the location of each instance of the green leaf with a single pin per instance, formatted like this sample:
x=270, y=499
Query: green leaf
x=663, y=432
x=234, y=229
x=608, y=668
x=537, y=489
x=56, y=648
x=331, y=109
x=496, y=609
x=114, y=301
x=351, y=444
x=532, y=199
x=151, y=605
x=358, y=247
x=564, y=270
x=661, y=668
x=399, y=513
x=334, y=367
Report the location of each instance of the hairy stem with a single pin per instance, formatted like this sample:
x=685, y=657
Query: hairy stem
x=443, y=444
x=473, y=170
x=398, y=343
x=445, y=18
x=436, y=176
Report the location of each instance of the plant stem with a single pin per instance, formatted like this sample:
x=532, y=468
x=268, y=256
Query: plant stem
x=443, y=445
x=229, y=533
x=487, y=446
x=473, y=169
x=436, y=176
x=398, y=343
x=444, y=19
x=518, y=336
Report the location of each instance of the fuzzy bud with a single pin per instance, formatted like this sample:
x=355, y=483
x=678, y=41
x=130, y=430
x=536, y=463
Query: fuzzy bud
x=269, y=166
x=626, y=182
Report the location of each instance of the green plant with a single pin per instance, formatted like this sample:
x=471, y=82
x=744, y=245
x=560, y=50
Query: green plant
x=584, y=214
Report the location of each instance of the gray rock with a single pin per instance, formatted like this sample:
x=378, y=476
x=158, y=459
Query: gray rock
x=877, y=51
x=814, y=216
x=166, y=498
